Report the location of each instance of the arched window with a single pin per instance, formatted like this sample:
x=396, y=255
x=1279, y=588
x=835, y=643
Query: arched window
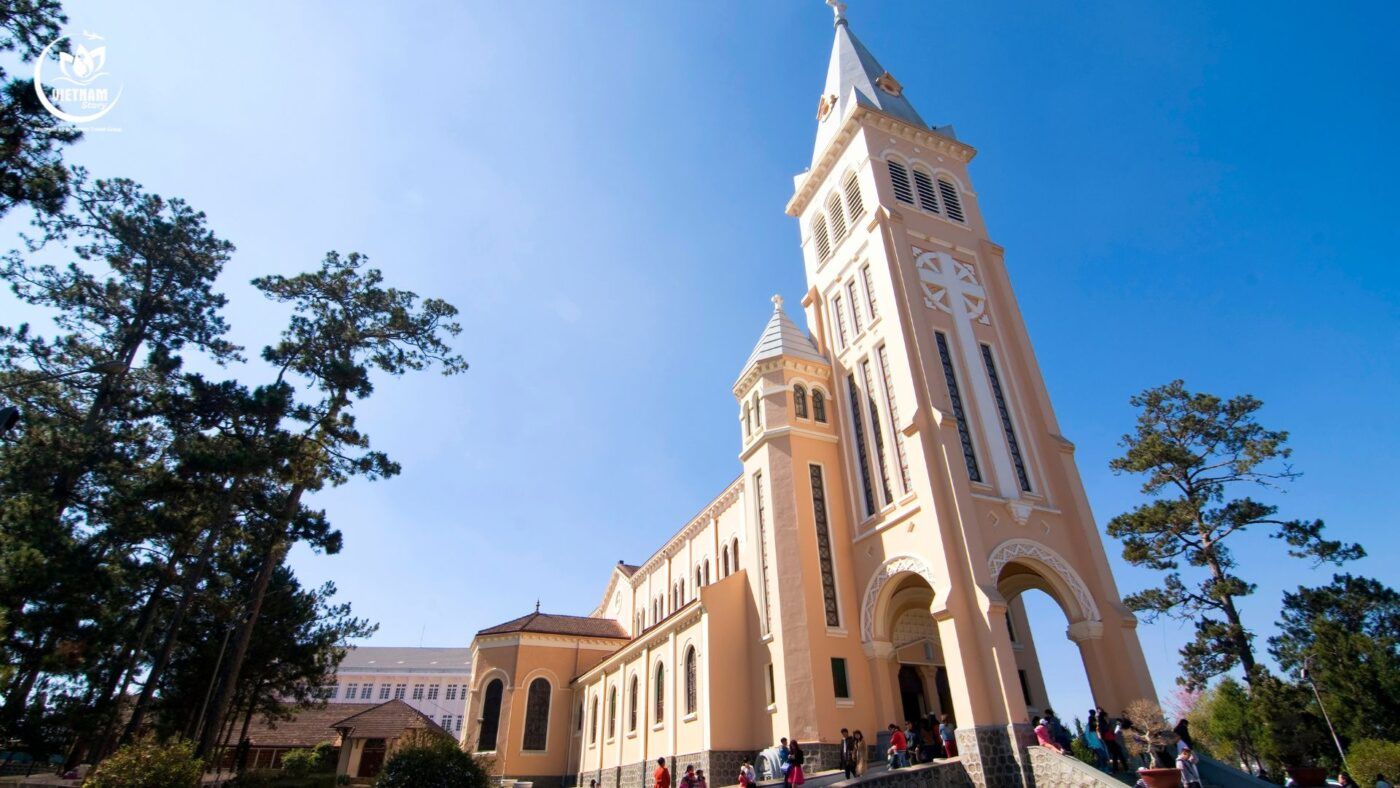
x=757, y=411
x=724, y=561
x=632, y=705
x=490, y=716
x=660, y=692
x=833, y=212
x=899, y=179
x=707, y=571
x=818, y=406
x=593, y=722
x=951, y=201
x=820, y=238
x=612, y=712
x=924, y=183
x=854, y=207
x=799, y=401
x=579, y=725
x=734, y=551
x=537, y=715
x=690, y=692
x=748, y=420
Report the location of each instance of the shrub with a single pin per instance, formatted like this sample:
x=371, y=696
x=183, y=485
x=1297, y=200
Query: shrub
x=327, y=755
x=299, y=763
x=148, y=764
x=1370, y=757
x=436, y=764
x=1151, y=733
x=1080, y=749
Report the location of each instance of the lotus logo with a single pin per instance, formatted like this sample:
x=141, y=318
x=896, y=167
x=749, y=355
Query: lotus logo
x=84, y=65
x=83, y=91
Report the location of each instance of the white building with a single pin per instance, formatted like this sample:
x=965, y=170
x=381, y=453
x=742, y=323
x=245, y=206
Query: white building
x=431, y=680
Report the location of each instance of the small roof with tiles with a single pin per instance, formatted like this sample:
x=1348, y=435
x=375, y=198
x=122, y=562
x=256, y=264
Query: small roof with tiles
x=388, y=720
x=555, y=624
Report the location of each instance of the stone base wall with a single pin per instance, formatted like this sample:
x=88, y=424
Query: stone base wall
x=1053, y=770
x=721, y=768
x=943, y=774
x=995, y=755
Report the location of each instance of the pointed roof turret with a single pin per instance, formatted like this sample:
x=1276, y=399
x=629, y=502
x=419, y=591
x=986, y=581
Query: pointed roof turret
x=854, y=76
x=782, y=337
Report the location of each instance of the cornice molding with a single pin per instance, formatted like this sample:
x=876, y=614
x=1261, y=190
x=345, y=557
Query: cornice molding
x=697, y=523
x=878, y=120
x=653, y=640
x=761, y=368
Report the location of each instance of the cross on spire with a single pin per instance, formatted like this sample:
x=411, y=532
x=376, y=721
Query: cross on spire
x=838, y=8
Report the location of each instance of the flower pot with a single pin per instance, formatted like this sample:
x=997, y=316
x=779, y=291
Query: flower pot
x=1308, y=776
x=1160, y=778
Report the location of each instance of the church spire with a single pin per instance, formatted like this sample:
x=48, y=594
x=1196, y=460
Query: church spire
x=854, y=76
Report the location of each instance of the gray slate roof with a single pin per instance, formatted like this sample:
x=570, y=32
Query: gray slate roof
x=851, y=76
x=782, y=337
x=389, y=658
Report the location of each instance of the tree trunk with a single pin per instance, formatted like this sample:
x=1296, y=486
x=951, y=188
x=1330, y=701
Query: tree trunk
x=190, y=583
x=276, y=550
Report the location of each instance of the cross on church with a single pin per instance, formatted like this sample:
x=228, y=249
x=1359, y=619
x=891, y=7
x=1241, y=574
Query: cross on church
x=951, y=286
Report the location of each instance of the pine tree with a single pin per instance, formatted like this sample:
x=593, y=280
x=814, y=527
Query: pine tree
x=1195, y=450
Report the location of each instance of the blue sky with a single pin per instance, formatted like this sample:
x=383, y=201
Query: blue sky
x=1184, y=189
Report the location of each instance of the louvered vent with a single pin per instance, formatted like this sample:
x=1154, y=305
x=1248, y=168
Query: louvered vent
x=820, y=237
x=838, y=221
x=854, y=207
x=899, y=179
x=927, y=199
x=950, y=199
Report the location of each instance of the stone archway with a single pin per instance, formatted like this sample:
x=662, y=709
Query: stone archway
x=1049, y=568
x=1021, y=565
x=875, y=589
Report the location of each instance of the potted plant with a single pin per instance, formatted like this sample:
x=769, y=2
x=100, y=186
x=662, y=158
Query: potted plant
x=1152, y=736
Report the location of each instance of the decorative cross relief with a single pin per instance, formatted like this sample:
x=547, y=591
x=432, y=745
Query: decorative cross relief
x=949, y=283
x=951, y=286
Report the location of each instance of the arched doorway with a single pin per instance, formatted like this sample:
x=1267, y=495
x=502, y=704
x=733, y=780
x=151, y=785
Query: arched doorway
x=911, y=694
x=1051, y=617
x=899, y=614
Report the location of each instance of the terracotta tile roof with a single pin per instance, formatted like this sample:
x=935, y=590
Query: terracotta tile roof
x=387, y=720
x=550, y=623
x=308, y=728
x=628, y=569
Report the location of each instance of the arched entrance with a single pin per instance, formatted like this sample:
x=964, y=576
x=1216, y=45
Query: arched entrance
x=897, y=622
x=1034, y=581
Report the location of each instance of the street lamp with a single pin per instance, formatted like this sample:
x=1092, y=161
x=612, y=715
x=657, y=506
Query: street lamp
x=9, y=415
x=1306, y=674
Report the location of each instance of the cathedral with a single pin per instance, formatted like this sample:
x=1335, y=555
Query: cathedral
x=903, y=480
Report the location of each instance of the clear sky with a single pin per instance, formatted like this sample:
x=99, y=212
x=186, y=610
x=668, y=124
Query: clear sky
x=1184, y=189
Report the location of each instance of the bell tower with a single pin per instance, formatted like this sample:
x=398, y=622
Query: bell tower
x=953, y=468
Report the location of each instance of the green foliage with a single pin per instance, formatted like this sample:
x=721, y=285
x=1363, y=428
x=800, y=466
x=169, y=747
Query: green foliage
x=31, y=140
x=438, y=764
x=1191, y=450
x=1080, y=749
x=327, y=755
x=1288, y=728
x=1348, y=632
x=276, y=778
x=299, y=763
x=1222, y=720
x=1371, y=758
x=148, y=764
